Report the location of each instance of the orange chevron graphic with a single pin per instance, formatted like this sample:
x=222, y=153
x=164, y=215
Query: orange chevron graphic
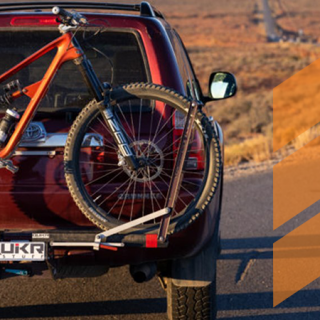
x=296, y=260
x=296, y=105
x=296, y=183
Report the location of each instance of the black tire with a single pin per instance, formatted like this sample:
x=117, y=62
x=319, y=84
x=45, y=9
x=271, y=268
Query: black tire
x=191, y=283
x=191, y=303
x=153, y=106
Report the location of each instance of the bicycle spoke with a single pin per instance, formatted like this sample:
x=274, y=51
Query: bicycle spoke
x=124, y=200
x=151, y=123
x=189, y=158
x=156, y=132
x=171, y=145
x=144, y=200
x=104, y=125
x=105, y=175
x=100, y=163
x=140, y=114
x=187, y=172
x=134, y=133
x=181, y=186
x=176, y=151
x=109, y=146
x=114, y=203
x=155, y=198
x=113, y=191
x=192, y=183
x=152, y=204
x=188, y=182
x=107, y=183
x=171, y=130
x=168, y=189
x=159, y=191
x=125, y=119
x=134, y=192
x=98, y=171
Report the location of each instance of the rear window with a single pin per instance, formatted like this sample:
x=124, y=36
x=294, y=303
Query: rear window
x=109, y=50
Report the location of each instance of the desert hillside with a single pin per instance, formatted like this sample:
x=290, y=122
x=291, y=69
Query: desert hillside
x=230, y=35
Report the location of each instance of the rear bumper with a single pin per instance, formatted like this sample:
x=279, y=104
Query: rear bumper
x=185, y=243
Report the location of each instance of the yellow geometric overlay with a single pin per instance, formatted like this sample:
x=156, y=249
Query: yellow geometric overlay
x=296, y=183
x=296, y=260
x=296, y=105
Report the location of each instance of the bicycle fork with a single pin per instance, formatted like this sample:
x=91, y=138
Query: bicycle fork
x=98, y=91
x=125, y=152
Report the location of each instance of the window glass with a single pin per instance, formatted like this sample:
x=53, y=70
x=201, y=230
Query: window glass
x=68, y=88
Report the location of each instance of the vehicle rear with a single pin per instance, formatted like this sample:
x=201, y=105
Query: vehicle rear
x=37, y=211
x=123, y=49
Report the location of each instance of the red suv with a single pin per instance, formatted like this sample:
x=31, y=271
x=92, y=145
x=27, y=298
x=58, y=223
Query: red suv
x=36, y=205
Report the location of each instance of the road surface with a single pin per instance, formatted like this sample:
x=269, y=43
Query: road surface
x=270, y=24
x=244, y=273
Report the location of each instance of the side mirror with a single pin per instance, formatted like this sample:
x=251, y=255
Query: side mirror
x=222, y=85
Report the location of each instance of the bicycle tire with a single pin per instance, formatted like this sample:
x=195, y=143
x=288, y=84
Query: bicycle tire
x=77, y=170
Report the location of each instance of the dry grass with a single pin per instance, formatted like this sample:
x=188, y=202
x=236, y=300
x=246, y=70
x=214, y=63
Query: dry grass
x=307, y=138
x=255, y=149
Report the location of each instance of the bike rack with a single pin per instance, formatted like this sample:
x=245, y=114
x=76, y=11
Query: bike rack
x=100, y=240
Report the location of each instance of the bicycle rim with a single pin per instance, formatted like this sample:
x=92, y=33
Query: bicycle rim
x=105, y=189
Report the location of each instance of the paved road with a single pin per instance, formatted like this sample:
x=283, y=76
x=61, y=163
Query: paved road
x=244, y=274
x=270, y=24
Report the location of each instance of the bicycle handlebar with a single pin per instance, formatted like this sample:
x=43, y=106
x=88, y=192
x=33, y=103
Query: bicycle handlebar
x=69, y=18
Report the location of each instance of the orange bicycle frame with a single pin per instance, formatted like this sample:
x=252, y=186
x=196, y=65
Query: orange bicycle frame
x=65, y=51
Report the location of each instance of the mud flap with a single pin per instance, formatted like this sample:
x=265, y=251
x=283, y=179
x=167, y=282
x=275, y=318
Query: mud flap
x=198, y=270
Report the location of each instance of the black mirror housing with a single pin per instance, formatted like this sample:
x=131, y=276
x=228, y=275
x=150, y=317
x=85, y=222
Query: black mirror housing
x=222, y=85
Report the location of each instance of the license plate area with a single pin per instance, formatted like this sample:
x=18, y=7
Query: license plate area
x=22, y=251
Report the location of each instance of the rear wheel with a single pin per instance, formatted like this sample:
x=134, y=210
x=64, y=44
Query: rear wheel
x=107, y=191
x=191, y=303
x=191, y=283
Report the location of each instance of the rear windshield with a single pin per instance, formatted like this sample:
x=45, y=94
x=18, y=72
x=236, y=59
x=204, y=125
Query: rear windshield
x=109, y=50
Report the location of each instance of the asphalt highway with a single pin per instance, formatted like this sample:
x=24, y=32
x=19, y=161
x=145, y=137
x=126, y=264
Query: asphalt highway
x=244, y=273
x=271, y=29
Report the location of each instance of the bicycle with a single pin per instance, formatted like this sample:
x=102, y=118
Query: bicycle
x=127, y=166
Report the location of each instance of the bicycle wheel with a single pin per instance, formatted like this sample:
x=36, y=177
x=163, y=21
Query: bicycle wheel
x=110, y=193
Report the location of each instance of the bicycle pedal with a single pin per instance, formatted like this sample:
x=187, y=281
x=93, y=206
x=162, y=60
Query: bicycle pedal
x=7, y=164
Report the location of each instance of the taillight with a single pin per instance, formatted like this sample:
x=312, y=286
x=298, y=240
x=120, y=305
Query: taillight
x=98, y=158
x=196, y=154
x=33, y=21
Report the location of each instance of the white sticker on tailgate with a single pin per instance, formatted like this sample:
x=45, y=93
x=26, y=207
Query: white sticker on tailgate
x=22, y=251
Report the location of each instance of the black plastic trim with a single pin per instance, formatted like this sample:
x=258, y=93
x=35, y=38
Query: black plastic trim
x=144, y=8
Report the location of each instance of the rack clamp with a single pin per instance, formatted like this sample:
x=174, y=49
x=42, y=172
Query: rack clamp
x=146, y=240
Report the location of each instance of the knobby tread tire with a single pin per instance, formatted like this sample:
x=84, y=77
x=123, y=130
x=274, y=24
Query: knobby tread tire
x=191, y=303
x=144, y=91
